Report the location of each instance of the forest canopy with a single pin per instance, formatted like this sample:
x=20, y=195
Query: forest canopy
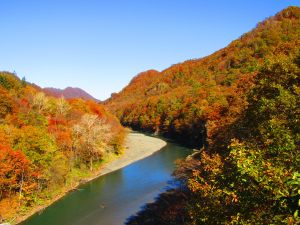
x=240, y=108
x=48, y=143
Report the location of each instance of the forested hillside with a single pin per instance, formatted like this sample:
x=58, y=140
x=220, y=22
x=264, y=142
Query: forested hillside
x=242, y=105
x=48, y=144
x=189, y=100
x=239, y=107
x=252, y=174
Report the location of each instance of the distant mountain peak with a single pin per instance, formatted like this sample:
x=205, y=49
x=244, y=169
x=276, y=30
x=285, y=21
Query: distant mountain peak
x=69, y=92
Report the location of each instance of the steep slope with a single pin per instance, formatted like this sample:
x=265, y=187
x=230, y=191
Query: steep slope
x=48, y=144
x=69, y=93
x=249, y=173
x=188, y=100
x=255, y=179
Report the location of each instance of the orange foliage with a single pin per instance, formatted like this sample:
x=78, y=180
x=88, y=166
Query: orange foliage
x=96, y=108
x=14, y=167
x=195, y=96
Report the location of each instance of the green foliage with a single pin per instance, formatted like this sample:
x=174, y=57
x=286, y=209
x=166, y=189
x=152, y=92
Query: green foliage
x=198, y=91
x=40, y=130
x=257, y=181
x=6, y=103
x=37, y=145
x=59, y=169
x=274, y=141
x=33, y=118
x=249, y=172
x=9, y=81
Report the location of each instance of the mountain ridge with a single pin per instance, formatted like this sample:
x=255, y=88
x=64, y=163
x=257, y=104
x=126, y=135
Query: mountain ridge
x=240, y=108
x=69, y=93
x=179, y=101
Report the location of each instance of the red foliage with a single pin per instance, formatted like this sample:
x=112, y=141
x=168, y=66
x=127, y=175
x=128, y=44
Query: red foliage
x=96, y=108
x=14, y=167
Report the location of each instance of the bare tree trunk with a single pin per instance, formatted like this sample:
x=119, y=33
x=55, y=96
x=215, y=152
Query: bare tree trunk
x=21, y=187
x=91, y=163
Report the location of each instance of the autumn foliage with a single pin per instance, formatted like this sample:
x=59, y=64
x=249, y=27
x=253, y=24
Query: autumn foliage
x=14, y=170
x=241, y=104
x=46, y=141
x=189, y=100
x=254, y=178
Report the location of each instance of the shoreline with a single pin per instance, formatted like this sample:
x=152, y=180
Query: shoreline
x=137, y=147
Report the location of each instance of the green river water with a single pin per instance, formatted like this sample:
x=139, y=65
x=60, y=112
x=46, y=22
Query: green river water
x=114, y=197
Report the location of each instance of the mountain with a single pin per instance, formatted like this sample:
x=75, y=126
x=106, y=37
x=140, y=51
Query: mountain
x=69, y=93
x=188, y=100
x=240, y=105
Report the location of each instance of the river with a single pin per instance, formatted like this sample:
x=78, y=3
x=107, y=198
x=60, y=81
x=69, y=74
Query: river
x=114, y=197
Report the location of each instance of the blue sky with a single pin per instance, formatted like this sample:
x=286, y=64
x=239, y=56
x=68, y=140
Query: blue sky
x=100, y=45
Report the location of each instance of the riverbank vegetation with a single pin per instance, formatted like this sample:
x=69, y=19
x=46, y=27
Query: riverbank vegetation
x=47, y=144
x=240, y=106
x=188, y=100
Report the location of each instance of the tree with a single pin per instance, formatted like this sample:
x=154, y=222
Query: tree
x=37, y=145
x=14, y=171
x=256, y=179
x=6, y=103
x=62, y=106
x=90, y=136
x=269, y=153
x=40, y=102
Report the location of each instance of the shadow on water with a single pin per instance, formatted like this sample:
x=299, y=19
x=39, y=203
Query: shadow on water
x=146, y=210
x=110, y=199
x=166, y=209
